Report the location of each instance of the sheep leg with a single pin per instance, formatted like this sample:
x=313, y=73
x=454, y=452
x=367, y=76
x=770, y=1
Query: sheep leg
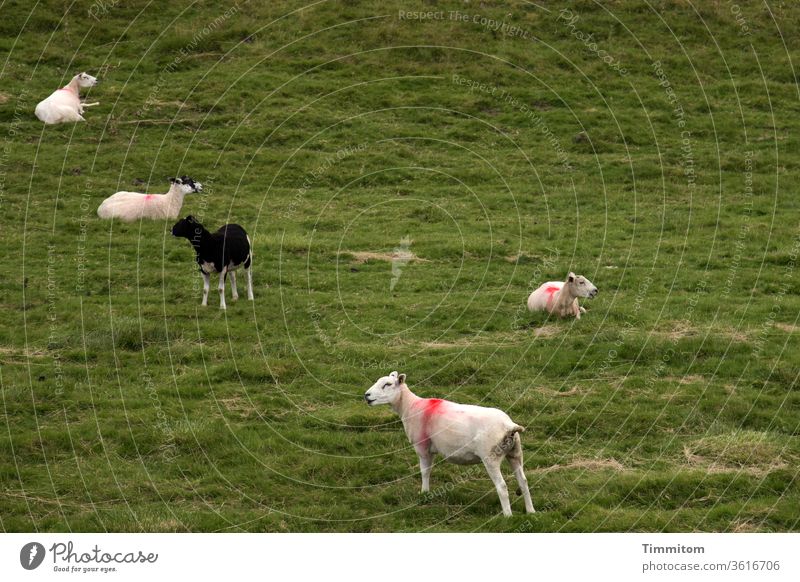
x=206, y=285
x=425, y=464
x=222, y=290
x=516, y=465
x=576, y=310
x=250, y=284
x=234, y=291
x=493, y=468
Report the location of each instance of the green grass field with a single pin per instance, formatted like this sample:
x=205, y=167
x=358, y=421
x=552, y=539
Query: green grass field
x=406, y=182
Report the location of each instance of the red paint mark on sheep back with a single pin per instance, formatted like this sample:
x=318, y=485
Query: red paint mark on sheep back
x=432, y=405
x=551, y=291
x=147, y=197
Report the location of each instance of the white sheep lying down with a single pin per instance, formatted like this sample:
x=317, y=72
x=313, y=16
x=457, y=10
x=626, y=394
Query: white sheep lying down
x=461, y=433
x=130, y=206
x=64, y=105
x=561, y=298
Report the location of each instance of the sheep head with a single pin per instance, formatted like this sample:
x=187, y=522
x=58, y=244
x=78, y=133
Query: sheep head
x=85, y=80
x=386, y=390
x=186, y=185
x=580, y=286
x=188, y=228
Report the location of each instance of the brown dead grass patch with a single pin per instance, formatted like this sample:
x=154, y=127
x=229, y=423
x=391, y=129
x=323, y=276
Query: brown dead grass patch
x=585, y=465
x=22, y=354
x=557, y=393
x=679, y=331
x=547, y=331
x=749, y=452
x=787, y=327
x=361, y=257
x=238, y=406
x=691, y=379
x=517, y=257
x=744, y=526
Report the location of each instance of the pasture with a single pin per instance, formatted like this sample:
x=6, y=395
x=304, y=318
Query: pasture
x=408, y=172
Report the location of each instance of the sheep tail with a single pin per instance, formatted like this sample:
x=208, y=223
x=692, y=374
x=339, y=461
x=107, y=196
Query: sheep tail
x=507, y=443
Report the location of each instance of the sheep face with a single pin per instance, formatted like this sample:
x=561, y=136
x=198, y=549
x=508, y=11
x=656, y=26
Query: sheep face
x=581, y=286
x=186, y=184
x=187, y=228
x=386, y=390
x=85, y=80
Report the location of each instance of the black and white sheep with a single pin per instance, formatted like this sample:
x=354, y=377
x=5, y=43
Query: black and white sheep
x=220, y=252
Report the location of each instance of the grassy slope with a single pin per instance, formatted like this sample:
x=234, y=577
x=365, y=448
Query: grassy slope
x=673, y=405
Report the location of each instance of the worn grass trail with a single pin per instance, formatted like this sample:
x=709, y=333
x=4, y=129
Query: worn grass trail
x=406, y=182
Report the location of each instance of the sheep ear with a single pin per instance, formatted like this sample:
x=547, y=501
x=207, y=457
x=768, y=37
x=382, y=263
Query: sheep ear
x=401, y=379
x=393, y=374
x=571, y=277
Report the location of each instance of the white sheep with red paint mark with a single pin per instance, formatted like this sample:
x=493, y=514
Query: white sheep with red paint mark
x=130, y=206
x=463, y=434
x=64, y=105
x=561, y=297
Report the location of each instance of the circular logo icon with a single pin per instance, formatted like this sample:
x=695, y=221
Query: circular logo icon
x=31, y=555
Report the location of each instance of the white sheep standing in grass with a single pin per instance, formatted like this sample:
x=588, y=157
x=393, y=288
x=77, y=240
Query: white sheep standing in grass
x=560, y=297
x=130, y=206
x=463, y=434
x=64, y=105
